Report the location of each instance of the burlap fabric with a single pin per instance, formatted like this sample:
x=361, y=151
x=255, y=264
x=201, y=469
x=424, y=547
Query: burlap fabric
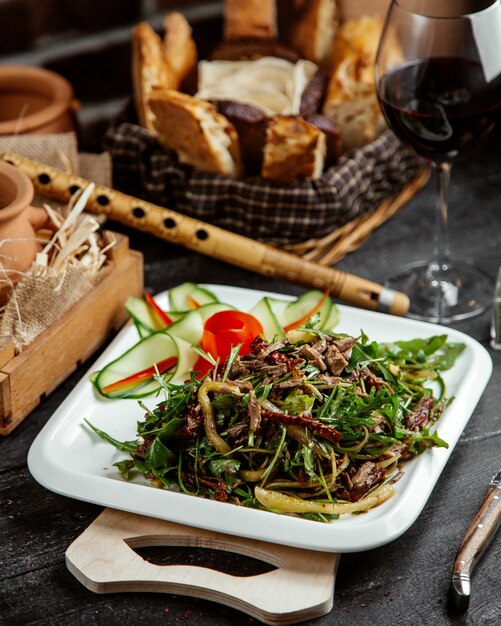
x=43, y=294
x=276, y=213
x=40, y=299
x=60, y=151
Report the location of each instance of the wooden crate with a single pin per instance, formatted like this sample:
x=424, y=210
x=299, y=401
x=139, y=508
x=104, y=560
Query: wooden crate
x=27, y=378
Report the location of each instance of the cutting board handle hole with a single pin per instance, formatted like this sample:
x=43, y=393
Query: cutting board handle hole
x=210, y=558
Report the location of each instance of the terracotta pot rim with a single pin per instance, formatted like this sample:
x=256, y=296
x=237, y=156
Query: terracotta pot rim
x=42, y=81
x=25, y=191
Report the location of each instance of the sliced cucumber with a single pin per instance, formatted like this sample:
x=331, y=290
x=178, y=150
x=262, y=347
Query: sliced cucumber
x=190, y=327
x=332, y=319
x=149, y=351
x=187, y=359
x=144, y=318
x=176, y=315
x=208, y=310
x=263, y=311
x=188, y=296
x=301, y=309
x=278, y=307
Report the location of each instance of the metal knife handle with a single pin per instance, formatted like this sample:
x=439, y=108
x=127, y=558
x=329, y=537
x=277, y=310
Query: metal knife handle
x=474, y=543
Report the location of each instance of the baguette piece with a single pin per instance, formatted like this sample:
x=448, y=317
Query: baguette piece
x=250, y=19
x=351, y=98
x=332, y=136
x=149, y=69
x=313, y=30
x=200, y=136
x=180, y=50
x=294, y=150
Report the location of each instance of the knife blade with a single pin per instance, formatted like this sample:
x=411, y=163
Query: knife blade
x=474, y=543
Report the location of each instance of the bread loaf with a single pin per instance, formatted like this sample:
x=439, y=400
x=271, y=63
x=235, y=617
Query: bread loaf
x=294, y=150
x=351, y=94
x=252, y=49
x=285, y=115
x=312, y=32
x=250, y=18
x=149, y=69
x=330, y=128
x=180, y=51
x=199, y=135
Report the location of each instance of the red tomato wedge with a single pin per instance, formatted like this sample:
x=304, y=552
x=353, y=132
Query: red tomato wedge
x=306, y=317
x=160, y=313
x=222, y=332
x=140, y=377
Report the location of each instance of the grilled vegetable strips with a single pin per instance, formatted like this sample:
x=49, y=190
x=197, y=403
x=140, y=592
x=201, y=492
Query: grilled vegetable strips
x=197, y=332
x=316, y=424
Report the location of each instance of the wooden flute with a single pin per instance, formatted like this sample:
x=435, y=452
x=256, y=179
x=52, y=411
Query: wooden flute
x=212, y=240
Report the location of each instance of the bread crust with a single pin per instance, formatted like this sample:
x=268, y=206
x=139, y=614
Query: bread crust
x=294, y=143
x=294, y=150
x=332, y=136
x=149, y=69
x=351, y=93
x=312, y=32
x=250, y=124
x=200, y=136
x=250, y=49
x=250, y=18
x=180, y=50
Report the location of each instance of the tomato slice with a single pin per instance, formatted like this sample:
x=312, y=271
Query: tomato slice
x=202, y=366
x=222, y=332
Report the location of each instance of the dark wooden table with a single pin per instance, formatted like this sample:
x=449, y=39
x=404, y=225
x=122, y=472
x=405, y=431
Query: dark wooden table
x=405, y=582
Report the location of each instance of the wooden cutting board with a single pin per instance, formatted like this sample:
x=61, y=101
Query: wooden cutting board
x=104, y=560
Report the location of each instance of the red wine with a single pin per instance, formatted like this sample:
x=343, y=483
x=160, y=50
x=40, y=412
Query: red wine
x=442, y=107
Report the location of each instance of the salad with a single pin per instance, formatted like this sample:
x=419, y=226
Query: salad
x=308, y=422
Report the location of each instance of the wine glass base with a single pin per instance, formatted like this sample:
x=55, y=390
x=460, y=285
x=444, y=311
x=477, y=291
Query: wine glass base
x=450, y=294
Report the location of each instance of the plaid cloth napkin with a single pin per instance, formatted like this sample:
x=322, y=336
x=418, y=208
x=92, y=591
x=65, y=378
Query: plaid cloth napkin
x=281, y=214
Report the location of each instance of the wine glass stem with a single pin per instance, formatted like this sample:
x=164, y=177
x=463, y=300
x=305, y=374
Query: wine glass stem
x=440, y=252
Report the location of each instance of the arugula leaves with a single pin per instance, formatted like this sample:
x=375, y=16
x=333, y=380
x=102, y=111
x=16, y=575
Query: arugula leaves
x=380, y=406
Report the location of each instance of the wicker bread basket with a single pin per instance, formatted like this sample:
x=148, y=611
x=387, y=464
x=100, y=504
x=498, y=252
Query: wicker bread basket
x=321, y=220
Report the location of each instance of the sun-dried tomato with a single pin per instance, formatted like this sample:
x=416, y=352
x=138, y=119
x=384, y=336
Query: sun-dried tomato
x=300, y=420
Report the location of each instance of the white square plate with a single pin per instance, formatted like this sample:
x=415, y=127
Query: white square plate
x=69, y=459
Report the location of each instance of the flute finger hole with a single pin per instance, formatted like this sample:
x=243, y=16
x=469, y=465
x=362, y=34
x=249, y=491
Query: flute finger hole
x=43, y=179
x=103, y=200
x=202, y=234
x=138, y=212
x=169, y=222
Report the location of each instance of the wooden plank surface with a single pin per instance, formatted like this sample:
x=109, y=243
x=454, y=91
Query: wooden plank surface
x=404, y=583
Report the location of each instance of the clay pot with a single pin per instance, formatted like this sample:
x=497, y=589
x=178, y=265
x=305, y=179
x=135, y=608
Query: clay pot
x=35, y=101
x=18, y=222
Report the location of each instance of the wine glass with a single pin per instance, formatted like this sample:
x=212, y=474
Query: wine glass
x=438, y=73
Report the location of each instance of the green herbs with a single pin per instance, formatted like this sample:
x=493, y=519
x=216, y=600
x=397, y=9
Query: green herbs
x=317, y=427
